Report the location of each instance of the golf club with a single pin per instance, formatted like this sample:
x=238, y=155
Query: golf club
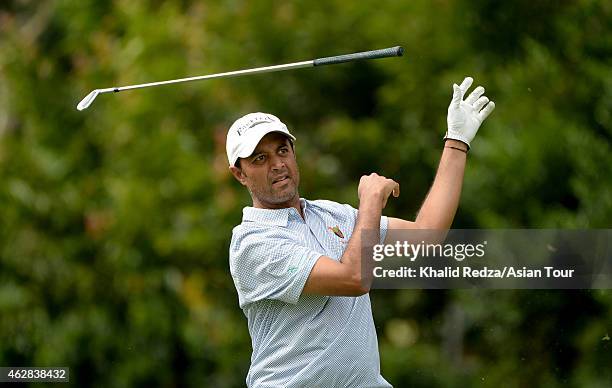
x=374, y=54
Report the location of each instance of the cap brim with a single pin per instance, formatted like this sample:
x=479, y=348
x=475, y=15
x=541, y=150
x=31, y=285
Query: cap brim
x=255, y=137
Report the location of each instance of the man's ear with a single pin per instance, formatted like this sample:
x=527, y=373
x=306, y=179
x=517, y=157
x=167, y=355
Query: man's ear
x=238, y=174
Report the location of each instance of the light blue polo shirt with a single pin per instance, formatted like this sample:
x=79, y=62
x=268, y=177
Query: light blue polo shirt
x=302, y=340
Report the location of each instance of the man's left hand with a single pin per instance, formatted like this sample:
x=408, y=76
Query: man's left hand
x=465, y=116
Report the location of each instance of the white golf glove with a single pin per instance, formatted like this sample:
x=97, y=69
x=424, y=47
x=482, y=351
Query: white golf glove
x=464, y=117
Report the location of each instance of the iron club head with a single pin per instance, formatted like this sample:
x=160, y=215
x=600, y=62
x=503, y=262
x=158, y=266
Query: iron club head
x=86, y=102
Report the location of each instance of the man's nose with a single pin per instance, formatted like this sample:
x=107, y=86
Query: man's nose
x=277, y=163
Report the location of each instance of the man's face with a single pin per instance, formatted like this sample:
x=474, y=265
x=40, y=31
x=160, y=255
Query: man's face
x=271, y=173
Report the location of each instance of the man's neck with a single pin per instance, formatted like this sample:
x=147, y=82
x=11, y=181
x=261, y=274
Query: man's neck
x=294, y=203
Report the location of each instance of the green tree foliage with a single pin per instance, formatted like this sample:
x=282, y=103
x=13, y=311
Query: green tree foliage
x=115, y=221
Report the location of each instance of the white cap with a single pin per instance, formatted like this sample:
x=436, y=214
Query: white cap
x=246, y=132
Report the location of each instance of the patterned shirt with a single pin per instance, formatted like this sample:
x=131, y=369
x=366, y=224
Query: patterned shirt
x=302, y=340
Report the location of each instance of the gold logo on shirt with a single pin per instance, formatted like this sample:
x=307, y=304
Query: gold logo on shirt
x=336, y=231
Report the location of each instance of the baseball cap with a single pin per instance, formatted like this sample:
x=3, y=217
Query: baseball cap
x=246, y=132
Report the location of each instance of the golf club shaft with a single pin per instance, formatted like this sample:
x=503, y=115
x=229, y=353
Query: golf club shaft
x=257, y=70
x=383, y=53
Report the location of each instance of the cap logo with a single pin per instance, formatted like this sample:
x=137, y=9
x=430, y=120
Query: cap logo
x=253, y=122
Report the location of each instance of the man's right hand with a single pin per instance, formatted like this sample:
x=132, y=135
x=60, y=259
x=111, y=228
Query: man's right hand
x=377, y=188
x=348, y=276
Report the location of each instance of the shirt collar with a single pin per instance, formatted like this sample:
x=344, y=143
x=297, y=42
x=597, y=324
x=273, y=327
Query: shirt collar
x=276, y=217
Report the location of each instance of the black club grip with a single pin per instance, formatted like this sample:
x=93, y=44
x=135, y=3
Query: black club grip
x=396, y=51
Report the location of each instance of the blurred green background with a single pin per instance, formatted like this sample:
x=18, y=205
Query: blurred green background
x=115, y=221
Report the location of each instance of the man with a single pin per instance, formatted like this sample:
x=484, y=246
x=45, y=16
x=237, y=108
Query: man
x=296, y=263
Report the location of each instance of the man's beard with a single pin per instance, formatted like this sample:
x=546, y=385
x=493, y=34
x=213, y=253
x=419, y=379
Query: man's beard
x=269, y=196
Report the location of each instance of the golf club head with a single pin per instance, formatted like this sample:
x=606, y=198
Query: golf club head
x=86, y=102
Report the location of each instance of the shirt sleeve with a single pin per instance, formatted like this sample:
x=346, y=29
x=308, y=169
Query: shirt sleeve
x=270, y=264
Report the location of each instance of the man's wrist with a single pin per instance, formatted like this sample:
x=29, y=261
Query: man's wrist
x=456, y=144
x=371, y=202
